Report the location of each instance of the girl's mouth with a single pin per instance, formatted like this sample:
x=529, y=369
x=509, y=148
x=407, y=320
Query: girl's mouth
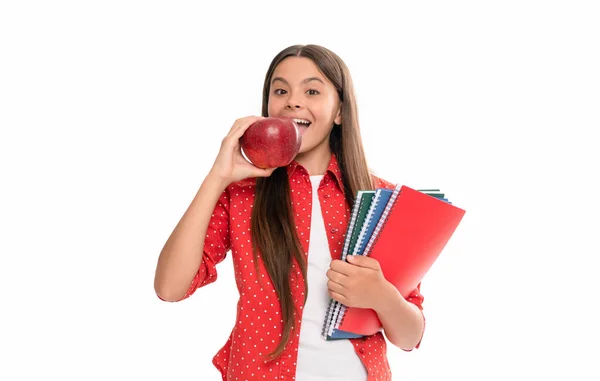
x=302, y=122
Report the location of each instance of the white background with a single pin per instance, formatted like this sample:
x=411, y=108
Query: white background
x=112, y=112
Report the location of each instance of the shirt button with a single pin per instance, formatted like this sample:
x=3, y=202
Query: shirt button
x=362, y=350
x=327, y=195
x=334, y=230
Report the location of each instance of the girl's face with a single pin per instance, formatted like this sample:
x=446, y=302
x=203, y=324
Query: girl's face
x=299, y=90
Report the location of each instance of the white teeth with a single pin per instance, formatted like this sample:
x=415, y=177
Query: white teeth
x=302, y=121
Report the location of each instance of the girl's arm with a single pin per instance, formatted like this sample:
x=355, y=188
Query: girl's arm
x=181, y=255
x=403, y=322
x=359, y=282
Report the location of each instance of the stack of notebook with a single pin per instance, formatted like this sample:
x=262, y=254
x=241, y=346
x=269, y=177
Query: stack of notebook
x=405, y=230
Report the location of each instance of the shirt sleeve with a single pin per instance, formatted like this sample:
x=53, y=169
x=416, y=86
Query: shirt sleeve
x=416, y=298
x=381, y=183
x=216, y=245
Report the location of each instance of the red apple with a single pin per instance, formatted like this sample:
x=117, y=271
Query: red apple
x=271, y=142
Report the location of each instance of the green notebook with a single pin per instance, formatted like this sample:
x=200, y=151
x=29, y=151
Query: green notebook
x=363, y=210
x=357, y=217
x=435, y=193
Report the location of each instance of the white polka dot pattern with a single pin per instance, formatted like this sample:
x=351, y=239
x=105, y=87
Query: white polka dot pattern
x=258, y=325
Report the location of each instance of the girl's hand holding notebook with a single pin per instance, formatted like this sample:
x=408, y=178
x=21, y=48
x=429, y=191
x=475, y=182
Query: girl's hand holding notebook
x=357, y=283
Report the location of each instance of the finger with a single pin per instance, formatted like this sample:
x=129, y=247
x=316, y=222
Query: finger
x=336, y=277
x=238, y=122
x=241, y=125
x=341, y=267
x=363, y=261
x=237, y=130
x=338, y=297
x=336, y=287
x=234, y=127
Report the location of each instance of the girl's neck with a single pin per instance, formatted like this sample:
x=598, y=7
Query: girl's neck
x=316, y=163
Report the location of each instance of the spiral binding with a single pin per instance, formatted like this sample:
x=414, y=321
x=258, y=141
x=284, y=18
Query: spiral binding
x=350, y=229
x=383, y=219
x=326, y=322
x=340, y=309
x=374, y=237
x=333, y=304
x=367, y=224
x=363, y=204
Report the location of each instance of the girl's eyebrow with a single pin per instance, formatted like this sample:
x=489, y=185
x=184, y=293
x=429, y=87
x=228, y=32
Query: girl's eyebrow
x=305, y=81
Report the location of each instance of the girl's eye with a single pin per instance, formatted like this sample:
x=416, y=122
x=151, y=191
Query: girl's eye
x=279, y=91
x=313, y=92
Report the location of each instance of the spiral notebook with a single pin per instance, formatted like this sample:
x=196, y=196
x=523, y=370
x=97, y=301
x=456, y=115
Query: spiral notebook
x=405, y=230
x=360, y=210
x=362, y=227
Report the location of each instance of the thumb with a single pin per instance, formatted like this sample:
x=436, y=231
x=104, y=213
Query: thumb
x=363, y=261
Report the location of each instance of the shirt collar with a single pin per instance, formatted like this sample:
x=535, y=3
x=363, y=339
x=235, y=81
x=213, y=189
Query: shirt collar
x=333, y=170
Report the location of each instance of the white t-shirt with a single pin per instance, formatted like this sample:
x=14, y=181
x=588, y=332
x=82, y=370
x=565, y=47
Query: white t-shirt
x=318, y=359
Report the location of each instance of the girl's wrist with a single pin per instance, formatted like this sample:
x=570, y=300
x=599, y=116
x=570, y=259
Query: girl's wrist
x=216, y=181
x=388, y=297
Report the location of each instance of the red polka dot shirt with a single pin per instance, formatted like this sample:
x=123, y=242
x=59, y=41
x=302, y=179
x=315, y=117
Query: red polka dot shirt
x=258, y=326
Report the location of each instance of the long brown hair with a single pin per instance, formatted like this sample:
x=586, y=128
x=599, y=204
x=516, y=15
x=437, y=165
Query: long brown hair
x=272, y=225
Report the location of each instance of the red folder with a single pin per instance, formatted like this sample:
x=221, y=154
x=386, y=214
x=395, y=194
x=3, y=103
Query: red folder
x=415, y=231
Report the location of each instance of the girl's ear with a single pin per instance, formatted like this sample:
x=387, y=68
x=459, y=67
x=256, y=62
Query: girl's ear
x=338, y=117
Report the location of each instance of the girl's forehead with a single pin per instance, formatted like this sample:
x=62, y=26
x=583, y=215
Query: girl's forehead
x=297, y=69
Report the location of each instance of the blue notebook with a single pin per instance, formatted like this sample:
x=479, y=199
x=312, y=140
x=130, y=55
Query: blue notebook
x=382, y=196
x=362, y=202
x=377, y=207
